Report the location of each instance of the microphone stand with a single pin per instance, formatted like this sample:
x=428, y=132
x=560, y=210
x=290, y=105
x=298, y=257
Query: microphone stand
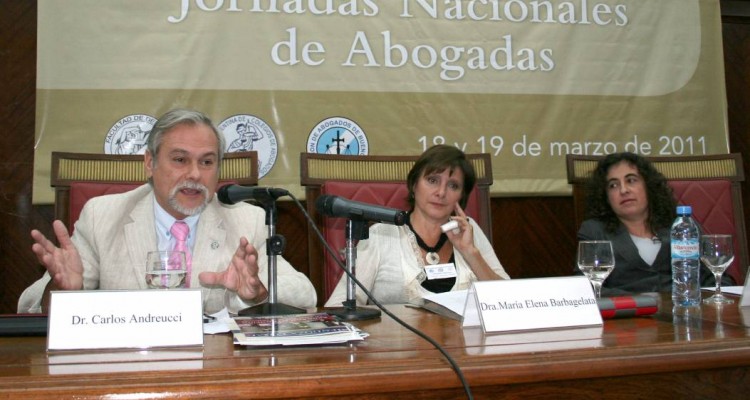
x=356, y=229
x=274, y=247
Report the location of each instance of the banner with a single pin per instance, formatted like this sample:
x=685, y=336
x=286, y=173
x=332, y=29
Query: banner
x=527, y=81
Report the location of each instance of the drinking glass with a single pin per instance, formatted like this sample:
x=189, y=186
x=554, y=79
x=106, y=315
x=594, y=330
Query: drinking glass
x=717, y=252
x=596, y=260
x=166, y=270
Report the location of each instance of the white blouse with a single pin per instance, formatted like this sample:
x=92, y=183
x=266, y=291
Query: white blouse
x=390, y=265
x=647, y=248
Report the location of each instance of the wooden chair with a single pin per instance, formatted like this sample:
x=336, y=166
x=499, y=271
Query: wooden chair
x=710, y=184
x=371, y=179
x=78, y=177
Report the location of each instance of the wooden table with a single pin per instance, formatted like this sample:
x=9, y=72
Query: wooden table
x=708, y=357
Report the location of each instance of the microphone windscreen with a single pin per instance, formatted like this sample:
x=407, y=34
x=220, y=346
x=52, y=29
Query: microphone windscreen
x=223, y=194
x=324, y=204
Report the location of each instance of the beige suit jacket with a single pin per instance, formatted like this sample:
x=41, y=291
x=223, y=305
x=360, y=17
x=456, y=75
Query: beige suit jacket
x=115, y=232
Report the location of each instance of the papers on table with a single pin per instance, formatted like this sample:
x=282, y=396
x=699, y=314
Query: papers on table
x=217, y=322
x=292, y=330
x=448, y=304
x=726, y=289
x=284, y=330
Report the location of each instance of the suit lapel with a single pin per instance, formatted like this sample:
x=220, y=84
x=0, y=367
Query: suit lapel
x=626, y=248
x=665, y=252
x=210, y=239
x=140, y=237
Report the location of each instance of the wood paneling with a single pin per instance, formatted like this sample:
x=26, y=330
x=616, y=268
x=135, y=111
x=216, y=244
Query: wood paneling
x=533, y=236
x=17, y=98
x=736, y=34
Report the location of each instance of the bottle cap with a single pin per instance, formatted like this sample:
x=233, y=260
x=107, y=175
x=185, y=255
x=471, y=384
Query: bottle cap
x=684, y=210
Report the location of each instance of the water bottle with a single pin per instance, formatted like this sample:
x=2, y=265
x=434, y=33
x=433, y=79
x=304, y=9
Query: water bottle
x=685, y=243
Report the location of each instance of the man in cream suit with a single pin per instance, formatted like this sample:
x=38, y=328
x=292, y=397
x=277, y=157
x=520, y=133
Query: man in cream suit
x=115, y=232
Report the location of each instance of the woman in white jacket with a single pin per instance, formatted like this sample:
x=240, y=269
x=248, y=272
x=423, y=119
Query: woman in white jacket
x=401, y=264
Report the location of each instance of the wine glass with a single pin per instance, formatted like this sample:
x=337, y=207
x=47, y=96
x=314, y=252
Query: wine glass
x=717, y=252
x=596, y=260
x=166, y=269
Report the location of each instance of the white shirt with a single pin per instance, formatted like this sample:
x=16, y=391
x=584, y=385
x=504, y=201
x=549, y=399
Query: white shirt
x=647, y=248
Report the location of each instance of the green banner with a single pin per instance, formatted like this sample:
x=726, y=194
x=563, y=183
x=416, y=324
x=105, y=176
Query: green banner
x=527, y=81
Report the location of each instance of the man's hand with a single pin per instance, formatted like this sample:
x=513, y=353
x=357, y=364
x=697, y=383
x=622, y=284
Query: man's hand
x=63, y=263
x=241, y=275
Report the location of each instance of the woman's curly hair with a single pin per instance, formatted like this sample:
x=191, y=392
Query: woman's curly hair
x=661, y=203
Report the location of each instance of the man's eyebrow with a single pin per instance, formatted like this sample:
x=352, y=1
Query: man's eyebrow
x=185, y=152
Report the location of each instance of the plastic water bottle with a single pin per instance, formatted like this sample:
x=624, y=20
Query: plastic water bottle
x=685, y=243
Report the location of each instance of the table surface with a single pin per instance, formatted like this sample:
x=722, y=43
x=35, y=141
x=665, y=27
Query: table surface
x=709, y=353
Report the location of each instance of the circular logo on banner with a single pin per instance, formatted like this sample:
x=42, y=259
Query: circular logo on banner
x=129, y=135
x=337, y=135
x=249, y=133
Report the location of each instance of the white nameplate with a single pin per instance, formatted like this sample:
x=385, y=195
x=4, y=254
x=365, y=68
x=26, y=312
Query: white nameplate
x=526, y=304
x=745, y=295
x=108, y=319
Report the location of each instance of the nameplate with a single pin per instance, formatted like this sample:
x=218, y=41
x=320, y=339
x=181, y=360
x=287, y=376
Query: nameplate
x=745, y=294
x=527, y=304
x=110, y=319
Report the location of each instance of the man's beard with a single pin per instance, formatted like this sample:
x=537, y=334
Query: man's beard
x=188, y=185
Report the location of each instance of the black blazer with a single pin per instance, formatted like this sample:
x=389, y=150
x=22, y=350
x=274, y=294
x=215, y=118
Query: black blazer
x=631, y=274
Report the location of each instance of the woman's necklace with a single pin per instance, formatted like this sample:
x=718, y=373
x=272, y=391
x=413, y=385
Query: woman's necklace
x=432, y=256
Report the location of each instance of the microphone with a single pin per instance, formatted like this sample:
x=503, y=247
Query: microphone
x=335, y=206
x=231, y=194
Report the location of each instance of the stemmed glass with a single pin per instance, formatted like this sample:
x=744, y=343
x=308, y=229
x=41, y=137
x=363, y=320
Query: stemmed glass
x=166, y=270
x=717, y=252
x=596, y=260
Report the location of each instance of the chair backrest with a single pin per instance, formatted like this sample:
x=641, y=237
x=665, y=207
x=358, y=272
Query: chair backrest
x=371, y=179
x=77, y=177
x=711, y=184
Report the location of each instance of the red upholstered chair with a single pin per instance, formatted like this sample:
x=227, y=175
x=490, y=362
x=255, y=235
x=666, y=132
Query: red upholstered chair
x=81, y=192
x=377, y=180
x=712, y=206
x=709, y=184
x=77, y=177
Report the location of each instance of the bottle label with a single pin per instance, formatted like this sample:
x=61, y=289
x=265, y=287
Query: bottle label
x=685, y=248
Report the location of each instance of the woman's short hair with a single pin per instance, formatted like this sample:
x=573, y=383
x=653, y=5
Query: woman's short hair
x=181, y=116
x=661, y=203
x=437, y=159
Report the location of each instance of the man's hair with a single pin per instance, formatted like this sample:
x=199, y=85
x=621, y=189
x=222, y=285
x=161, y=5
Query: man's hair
x=661, y=203
x=176, y=117
x=438, y=158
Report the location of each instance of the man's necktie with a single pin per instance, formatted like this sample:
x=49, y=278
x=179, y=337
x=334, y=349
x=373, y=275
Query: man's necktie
x=180, y=230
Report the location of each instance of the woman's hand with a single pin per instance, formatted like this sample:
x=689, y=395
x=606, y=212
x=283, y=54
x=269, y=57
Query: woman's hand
x=463, y=241
x=461, y=237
